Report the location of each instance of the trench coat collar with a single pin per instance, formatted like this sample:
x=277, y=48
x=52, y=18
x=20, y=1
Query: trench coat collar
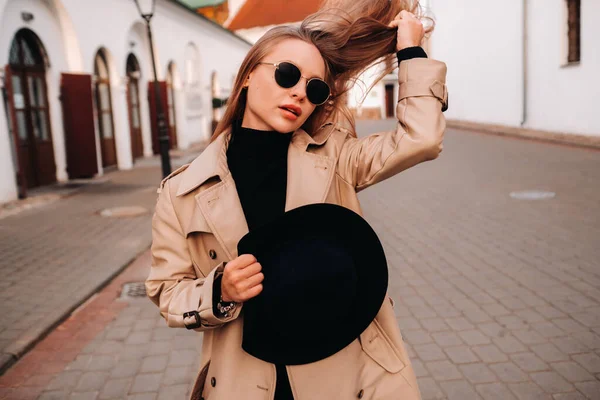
x=308, y=181
x=213, y=162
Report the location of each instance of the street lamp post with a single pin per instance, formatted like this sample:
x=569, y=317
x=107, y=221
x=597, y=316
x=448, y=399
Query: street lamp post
x=146, y=10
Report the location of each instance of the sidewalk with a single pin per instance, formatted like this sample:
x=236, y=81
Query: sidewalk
x=57, y=249
x=112, y=347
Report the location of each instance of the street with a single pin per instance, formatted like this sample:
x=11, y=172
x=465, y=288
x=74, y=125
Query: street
x=497, y=296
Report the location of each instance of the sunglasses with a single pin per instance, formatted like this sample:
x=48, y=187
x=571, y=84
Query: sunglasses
x=287, y=75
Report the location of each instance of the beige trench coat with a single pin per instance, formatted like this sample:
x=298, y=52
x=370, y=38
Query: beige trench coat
x=199, y=221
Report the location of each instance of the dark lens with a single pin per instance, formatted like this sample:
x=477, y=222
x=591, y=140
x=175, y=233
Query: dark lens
x=287, y=75
x=317, y=91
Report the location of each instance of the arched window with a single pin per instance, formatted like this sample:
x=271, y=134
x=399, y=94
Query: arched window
x=192, y=85
x=192, y=61
x=133, y=103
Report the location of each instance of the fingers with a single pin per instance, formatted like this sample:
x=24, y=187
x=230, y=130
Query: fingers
x=242, y=278
x=403, y=15
x=243, y=290
x=247, y=272
x=250, y=293
x=241, y=262
x=252, y=281
x=406, y=14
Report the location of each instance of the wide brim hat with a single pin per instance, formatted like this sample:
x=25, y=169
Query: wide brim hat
x=325, y=280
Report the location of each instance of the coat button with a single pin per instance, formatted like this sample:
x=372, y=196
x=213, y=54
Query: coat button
x=361, y=394
x=212, y=254
x=213, y=381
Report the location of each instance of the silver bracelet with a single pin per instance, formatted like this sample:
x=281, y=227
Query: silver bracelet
x=225, y=308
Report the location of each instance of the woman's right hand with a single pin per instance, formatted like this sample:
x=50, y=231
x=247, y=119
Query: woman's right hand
x=410, y=30
x=242, y=279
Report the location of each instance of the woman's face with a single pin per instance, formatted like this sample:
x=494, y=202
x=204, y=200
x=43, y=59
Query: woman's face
x=268, y=104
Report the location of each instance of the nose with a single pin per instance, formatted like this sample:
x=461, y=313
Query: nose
x=299, y=91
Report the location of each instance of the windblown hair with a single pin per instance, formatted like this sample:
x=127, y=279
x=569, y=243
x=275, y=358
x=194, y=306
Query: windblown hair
x=351, y=35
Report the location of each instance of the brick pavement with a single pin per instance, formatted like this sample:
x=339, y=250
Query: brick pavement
x=497, y=298
x=55, y=256
x=110, y=348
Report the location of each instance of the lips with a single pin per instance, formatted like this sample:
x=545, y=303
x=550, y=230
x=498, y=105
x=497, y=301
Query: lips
x=297, y=111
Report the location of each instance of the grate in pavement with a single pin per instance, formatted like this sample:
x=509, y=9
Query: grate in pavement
x=133, y=290
x=532, y=195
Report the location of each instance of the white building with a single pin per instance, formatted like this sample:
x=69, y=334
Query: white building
x=508, y=62
x=75, y=77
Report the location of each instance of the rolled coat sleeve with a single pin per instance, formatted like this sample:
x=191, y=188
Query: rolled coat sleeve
x=419, y=133
x=173, y=284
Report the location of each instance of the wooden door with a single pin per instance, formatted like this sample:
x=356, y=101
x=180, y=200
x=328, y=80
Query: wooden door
x=135, y=131
x=389, y=101
x=76, y=96
x=40, y=124
x=18, y=127
x=153, y=115
x=29, y=113
x=105, y=122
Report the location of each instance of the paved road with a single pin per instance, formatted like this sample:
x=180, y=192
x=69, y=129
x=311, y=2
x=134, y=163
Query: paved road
x=55, y=256
x=497, y=298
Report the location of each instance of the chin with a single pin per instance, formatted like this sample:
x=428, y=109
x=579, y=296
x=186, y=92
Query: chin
x=285, y=126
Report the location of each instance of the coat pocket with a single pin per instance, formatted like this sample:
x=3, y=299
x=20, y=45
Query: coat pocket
x=376, y=345
x=200, y=382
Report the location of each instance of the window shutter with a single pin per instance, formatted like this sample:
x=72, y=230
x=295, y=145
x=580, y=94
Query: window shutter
x=574, y=26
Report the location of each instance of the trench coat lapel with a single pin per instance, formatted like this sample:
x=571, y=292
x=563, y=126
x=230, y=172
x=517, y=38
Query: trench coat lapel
x=219, y=204
x=308, y=181
x=309, y=175
x=223, y=211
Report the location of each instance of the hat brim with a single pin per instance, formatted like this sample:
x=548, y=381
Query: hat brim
x=316, y=333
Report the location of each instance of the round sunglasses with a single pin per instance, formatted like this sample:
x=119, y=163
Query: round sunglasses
x=287, y=75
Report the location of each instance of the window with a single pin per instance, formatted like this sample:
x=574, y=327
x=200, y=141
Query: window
x=192, y=61
x=573, y=31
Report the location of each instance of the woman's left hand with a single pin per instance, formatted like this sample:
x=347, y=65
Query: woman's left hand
x=410, y=30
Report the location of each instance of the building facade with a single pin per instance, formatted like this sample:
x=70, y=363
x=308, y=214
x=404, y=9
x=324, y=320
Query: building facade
x=521, y=64
x=75, y=83
x=526, y=63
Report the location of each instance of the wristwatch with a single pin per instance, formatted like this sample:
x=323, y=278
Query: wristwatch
x=225, y=308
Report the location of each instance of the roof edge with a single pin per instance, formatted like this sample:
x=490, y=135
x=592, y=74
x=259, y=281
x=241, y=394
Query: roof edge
x=210, y=21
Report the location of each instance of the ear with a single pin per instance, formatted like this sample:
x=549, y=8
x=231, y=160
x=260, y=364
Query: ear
x=247, y=82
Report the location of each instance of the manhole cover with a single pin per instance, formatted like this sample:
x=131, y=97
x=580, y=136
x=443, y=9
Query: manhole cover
x=133, y=290
x=532, y=195
x=123, y=212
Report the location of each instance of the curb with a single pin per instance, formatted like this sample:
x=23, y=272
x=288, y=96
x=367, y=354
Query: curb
x=16, y=350
x=571, y=139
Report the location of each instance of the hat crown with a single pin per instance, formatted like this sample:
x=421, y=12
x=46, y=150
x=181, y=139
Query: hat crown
x=317, y=269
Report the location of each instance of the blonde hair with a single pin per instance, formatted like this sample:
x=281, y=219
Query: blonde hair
x=351, y=35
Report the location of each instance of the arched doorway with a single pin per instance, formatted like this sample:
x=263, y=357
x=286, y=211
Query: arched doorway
x=104, y=110
x=215, y=92
x=171, y=105
x=29, y=111
x=133, y=103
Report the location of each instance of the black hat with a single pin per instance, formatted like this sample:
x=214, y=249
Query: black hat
x=325, y=280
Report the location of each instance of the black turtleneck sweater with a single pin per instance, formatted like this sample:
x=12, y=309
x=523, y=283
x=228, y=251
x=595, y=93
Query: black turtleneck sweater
x=258, y=163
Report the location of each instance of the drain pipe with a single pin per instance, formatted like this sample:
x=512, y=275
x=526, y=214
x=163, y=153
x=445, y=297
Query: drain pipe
x=525, y=77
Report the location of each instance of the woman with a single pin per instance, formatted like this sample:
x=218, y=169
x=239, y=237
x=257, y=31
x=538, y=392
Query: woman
x=286, y=140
